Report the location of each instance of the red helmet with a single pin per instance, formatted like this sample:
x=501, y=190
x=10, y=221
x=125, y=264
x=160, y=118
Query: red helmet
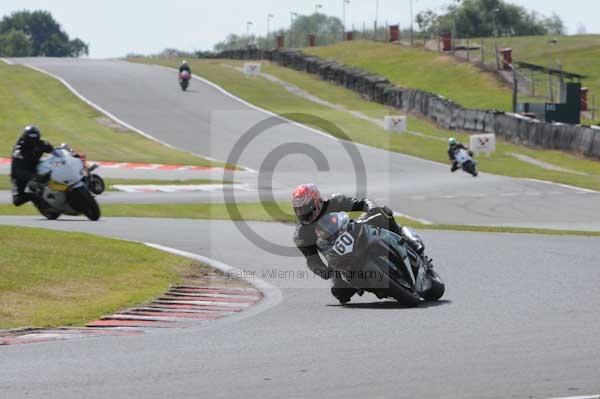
x=307, y=203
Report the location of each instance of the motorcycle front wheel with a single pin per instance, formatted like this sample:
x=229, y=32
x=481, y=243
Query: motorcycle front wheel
x=83, y=201
x=437, y=287
x=469, y=167
x=96, y=184
x=389, y=280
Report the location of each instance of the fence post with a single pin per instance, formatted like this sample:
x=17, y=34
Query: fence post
x=515, y=89
x=550, y=88
x=497, y=56
x=468, y=50
x=482, y=51
x=453, y=44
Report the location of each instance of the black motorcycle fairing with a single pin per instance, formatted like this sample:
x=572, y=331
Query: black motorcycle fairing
x=371, y=243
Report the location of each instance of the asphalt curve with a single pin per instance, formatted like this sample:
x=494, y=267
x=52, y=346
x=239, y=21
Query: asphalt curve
x=519, y=320
x=210, y=123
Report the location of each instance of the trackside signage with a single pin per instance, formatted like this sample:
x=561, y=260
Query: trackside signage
x=483, y=143
x=251, y=69
x=395, y=123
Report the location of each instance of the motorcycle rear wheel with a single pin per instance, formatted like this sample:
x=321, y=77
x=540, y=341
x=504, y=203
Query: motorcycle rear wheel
x=47, y=212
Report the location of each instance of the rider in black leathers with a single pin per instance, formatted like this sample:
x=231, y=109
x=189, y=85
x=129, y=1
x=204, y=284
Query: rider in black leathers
x=25, y=157
x=453, y=146
x=184, y=67
x=305, y=237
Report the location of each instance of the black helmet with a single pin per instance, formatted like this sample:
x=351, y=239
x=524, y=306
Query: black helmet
x=31, y=135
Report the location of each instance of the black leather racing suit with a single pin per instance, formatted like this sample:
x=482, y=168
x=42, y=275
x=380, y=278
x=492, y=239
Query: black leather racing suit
x=451, y=154
x=185, y=68
x=25, y=158
x=305, y=238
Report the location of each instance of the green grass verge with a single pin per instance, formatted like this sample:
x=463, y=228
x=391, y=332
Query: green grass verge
x=277, y=99
x=464, y=83
x=579, y=54
x=5, y=183
x=247, y=211
x=430, y=71
x=272, y=212
x=82, y=278
x=30, y=97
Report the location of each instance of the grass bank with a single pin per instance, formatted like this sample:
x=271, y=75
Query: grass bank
x=272, y=212
x=30, y=97
x=430, y=145
x=5, y=183
x=430, y=71
x=46, y=285
x=579, y=54
x=462, y=82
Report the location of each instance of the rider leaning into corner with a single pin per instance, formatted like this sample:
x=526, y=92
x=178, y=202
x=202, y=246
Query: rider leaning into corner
x=310, y=206
x=25, y=157
x=453, y=146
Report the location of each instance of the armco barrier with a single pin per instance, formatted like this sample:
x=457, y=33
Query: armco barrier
x=442, y=111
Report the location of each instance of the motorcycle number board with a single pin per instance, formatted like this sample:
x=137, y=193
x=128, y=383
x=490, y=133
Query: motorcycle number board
x=483, y=143
x=251, y=69
x=344, y=244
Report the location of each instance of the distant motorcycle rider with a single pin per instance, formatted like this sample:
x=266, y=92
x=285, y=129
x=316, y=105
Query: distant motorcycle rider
x=309, y=206
x=185, y=67
x=453, y=147
x=25, y=157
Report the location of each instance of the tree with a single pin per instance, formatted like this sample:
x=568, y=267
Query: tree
x=44, y=34
x=78, y=48
x=15, y=44
x=485, y=18
x=554, y=25
x=327, y=29
x=427, y=21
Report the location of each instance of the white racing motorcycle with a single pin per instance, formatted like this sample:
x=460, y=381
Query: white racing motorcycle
x=466, y=162
x=70, y=186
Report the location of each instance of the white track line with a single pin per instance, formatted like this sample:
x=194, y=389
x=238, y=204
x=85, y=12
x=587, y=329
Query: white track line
x=579, y=189
x=113, y=117
x=578, y=397
x=272, y=294
x=252, y=106
x=291, y=122
x=422, y=221
x=8, y=62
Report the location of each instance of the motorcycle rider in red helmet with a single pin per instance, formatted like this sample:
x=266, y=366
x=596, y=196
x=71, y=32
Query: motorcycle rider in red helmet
x=309, y=206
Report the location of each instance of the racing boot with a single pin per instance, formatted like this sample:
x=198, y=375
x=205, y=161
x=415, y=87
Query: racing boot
x=413, y=240
x=342, y=291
